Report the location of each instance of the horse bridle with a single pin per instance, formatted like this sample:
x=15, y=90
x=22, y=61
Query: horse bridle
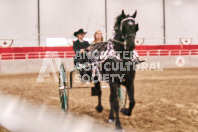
x=128, y=35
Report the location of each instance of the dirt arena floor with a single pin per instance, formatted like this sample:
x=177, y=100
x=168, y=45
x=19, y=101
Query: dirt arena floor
x=3, y=129
x=166, y=101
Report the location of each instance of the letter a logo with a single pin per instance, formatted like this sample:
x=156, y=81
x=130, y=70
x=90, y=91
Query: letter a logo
x=180, y=61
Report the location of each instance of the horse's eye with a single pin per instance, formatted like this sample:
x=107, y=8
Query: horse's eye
x=130, y=23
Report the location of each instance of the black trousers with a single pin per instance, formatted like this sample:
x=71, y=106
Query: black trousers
x=78, y=61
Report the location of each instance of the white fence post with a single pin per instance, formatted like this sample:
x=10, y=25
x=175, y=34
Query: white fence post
x=65, y=54
x=147, y=52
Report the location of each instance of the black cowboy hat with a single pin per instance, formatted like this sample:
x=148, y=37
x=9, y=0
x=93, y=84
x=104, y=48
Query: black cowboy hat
x=79, y=31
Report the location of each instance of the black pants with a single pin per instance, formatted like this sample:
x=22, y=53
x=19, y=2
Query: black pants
x=78, y=61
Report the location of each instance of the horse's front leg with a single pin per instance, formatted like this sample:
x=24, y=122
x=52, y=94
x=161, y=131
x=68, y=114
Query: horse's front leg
x=111, y=113
x=114, y=91
x=128, y=111
x=130, y=91
x=99, y=107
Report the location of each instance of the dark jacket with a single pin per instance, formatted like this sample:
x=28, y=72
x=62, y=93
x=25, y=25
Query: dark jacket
x=77, y=45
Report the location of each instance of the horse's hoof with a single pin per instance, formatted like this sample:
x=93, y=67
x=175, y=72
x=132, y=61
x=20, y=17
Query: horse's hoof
x=112, y=121
x=125, y=111
x=99, y=108
x=119, y=130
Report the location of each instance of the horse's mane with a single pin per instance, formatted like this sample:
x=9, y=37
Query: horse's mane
x=120, y=17
x=102, y=45
x=118, y=21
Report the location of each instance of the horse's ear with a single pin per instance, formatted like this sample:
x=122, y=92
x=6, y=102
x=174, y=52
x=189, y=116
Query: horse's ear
x=123, y=13
x=134, y=15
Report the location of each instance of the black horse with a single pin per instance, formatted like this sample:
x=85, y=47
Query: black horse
x=107, y=53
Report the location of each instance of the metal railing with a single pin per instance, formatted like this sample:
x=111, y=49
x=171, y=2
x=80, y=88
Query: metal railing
x=36, y=55
x=167, y=52
x=69, y=54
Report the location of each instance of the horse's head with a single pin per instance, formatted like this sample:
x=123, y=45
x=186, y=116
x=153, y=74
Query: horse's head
x=125, y=30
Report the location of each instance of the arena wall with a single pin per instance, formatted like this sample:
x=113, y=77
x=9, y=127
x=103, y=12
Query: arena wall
x=46, y=59
x=171, y=61
x=35, y=65
x=70, y=48
x=62, y=18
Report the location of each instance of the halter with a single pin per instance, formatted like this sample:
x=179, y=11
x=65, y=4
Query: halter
x=125, y=19
x=127, y=36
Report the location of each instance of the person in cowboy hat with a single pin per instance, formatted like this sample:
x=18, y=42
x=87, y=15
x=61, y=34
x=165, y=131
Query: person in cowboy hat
x=80, y=46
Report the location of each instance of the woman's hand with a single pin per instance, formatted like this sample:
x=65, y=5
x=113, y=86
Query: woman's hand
x=82, y=50
x=88, y=48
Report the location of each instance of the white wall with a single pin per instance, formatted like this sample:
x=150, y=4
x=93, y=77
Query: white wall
x=38, y=65
x=181, y=20
x=33, y=65
x=18, y=21
x=63, y=17
x=60, y=18
x=149, y=17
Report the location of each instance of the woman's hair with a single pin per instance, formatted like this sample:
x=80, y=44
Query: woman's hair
x=95, y=36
